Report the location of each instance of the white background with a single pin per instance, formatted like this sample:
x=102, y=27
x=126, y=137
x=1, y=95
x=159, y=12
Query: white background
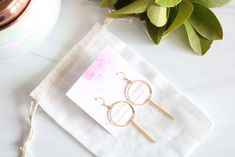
x=209, y=80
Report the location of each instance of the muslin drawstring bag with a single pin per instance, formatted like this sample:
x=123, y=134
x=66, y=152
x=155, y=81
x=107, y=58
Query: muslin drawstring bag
x=174, y=138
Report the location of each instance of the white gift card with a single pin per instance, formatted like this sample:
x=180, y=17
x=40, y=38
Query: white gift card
x=100, y=80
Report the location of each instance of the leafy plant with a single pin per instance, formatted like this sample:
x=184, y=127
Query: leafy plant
x=162, y=17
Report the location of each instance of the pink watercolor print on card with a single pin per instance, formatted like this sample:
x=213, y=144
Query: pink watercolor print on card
x=103, y=62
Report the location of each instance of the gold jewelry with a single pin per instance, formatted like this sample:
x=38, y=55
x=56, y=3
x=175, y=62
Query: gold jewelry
x=121, y=114
x=147, y=99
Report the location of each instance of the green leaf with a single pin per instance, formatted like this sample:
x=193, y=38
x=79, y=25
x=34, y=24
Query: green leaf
x=108, y=3
x=199, y=44
x=157, y=15
x=212, y=3
x=155, y=32
x=184, y=12
x=206, y=23
x=167, y=3
x=122, y=3
x=172, y=15
x=138, y=6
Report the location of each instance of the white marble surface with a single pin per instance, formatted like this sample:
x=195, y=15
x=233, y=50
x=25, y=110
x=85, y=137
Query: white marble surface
x=209, y=81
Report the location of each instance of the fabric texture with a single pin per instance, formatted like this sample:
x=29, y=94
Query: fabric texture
x=175, y=138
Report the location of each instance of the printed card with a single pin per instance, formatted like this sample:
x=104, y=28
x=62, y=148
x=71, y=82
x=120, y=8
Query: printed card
x=104, y=82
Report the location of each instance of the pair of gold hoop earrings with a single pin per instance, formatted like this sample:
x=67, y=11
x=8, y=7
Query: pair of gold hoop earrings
x=122, y=113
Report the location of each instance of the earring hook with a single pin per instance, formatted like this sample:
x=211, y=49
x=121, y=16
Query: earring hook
x=123, y=76
x=102, y=102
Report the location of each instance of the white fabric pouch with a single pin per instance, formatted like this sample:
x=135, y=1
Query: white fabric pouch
x=175, y=138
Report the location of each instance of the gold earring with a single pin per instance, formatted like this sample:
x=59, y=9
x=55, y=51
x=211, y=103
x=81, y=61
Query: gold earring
x=121, y=114
x=146, y=99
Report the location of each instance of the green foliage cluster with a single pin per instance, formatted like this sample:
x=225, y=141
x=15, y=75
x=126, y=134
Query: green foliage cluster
x=162, y=17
